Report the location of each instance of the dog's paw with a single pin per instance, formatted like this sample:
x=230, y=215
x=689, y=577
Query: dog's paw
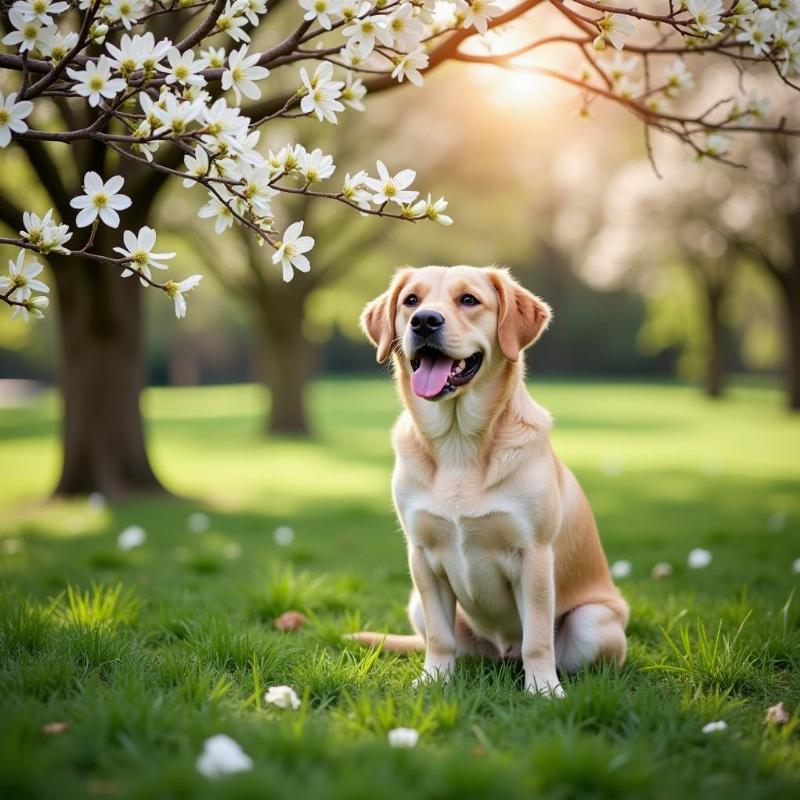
x=431, y=675
x=545, y=687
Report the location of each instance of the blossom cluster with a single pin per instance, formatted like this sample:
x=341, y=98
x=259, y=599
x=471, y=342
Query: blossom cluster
x=165, y=93
x=202, y=97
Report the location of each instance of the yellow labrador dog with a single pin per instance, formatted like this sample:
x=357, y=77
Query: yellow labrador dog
x=503, y=548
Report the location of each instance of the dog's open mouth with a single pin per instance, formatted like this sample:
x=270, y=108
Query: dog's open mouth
x=435, y=374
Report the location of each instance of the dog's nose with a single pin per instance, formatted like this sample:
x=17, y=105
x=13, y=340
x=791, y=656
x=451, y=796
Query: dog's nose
x=426, y=322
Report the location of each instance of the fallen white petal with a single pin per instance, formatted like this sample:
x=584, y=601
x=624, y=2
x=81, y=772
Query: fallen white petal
x=132, y=536
x=282, y=696
x=198, y=522
x=284, y=535
x=699, y=558
x=621, y=569
x=222, y=755
x=715, y=727
x=403, y=737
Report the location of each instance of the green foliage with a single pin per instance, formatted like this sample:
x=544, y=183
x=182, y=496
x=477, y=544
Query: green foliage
x=145, y=654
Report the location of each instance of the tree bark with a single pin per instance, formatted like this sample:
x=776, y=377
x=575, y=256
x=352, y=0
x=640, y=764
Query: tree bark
x=792, y=303
x=289, y=359
x=716, y=367
x=101, y=375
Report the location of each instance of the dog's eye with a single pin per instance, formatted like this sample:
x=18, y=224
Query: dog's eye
x=411, y=300
x=469, y=300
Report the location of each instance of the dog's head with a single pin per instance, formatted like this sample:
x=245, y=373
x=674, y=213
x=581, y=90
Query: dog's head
x=448, y=324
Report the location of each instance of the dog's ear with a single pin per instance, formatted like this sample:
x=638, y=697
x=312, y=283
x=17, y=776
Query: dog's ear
x=377, y=318
x=521, y=316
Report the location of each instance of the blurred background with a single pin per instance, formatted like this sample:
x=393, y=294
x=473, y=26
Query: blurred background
x=672, y=270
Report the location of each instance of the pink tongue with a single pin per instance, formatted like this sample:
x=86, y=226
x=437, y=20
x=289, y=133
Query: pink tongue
x=431, y=376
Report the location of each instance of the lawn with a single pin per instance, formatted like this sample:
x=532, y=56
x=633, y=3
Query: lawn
x=145, y=653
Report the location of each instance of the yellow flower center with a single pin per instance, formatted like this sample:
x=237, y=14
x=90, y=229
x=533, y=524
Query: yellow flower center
x=39, y=6
x=139, y=257
x=320, y=6
x=4, y=116
x=96, y=83
x=181, y=72
x=100, y=200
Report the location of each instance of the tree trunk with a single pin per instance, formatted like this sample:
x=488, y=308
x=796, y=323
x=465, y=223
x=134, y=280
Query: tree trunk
x=716, y=367
x=101, y=373
x=289, y=360
x=792, y=301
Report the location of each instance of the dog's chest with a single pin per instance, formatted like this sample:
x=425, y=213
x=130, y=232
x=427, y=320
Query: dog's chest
x=472, y=539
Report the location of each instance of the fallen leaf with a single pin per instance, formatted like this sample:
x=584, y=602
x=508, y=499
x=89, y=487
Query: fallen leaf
x=54, y=728
x=290, y=621
x=661, y=570
x=776, y=715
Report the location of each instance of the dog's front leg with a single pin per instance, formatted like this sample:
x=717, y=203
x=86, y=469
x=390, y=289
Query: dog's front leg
x=536, y=606
x=439, y=612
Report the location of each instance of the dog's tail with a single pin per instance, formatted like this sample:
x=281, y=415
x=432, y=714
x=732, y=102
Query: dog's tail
x=391, y=642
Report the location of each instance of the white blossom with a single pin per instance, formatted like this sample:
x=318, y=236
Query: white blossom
x=316, y=166
x=177, y=290
x=321, y=93
x=291, y=249
x=353, y=93
x=212, y=57
x=282, y=697
x=217, y=208
x=139, y=249
x=707, y=15
x=29, y=34
x=320, y=10
x=183, y=68
x=126, y=11
x=615, y=28
x=33, y=307
x=477, y=13
x=715, y=145
x=46, y=235
x=678, y=78
x=355, y=189
x=410, y=66
x=432, y=210
x=21, y=281
x=362, y=32
x=758, y=30
x=407, y=32
x=40, y=10
x=388, y=188
x=100, y=200
x=232, y=21
x=12, y=116
x=241, y=74
x=59, y=45
x=95, y=82
x=196, y=165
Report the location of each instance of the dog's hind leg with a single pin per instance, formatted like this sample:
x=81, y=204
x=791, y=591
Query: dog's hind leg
x=592, y=633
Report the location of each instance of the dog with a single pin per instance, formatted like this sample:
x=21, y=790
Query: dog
x=503, y=549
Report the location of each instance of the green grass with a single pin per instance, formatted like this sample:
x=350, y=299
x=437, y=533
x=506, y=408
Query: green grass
x=146, y=653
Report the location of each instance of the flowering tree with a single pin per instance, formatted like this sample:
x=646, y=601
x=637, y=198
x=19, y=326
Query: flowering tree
x=140, y=91
x=708, y=221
